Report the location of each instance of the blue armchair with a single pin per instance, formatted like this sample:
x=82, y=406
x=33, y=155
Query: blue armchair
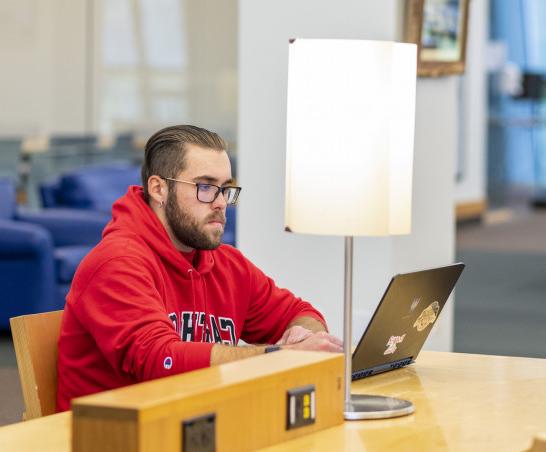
x=97, y=187
x=39, y=253
x=90, y=187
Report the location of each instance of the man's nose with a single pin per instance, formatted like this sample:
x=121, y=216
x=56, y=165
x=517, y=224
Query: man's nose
x=220, y=202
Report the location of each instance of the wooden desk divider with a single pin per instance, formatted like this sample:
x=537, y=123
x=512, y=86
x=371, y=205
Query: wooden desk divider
x=247, y=400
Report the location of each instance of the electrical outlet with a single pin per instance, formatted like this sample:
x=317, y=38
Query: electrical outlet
x=199, y=434
x=300, y=407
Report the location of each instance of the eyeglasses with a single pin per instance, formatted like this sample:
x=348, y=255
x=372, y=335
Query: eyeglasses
x=209, y=192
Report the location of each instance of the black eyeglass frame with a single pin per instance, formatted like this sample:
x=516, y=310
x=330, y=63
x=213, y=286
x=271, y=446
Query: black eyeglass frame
x=219, y=190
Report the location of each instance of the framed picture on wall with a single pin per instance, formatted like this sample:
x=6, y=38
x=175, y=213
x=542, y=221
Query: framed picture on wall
x=439, y=27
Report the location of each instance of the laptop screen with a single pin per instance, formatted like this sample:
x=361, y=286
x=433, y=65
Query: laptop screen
x=404, y=318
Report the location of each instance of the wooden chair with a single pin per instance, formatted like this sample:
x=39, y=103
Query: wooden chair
x=35, y=339
x=539, y=443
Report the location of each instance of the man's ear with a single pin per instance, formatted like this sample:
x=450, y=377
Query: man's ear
x=157, y=190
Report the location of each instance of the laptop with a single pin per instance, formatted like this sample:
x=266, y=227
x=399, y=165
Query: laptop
x=403, y=319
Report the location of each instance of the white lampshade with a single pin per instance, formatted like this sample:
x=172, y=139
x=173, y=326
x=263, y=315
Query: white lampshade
x=350, y=130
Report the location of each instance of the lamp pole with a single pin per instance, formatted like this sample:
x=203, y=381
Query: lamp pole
x=347, y=319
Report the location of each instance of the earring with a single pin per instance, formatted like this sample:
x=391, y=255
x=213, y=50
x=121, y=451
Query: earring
x=160, y=204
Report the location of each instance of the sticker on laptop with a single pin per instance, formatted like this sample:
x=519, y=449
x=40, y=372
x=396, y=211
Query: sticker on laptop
x=392, y=344
x=428, y=316
x=415, y=303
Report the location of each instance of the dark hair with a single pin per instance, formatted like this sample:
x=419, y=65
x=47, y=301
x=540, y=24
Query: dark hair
x=165, y=151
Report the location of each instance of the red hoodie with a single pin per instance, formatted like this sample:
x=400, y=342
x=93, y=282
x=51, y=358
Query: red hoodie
x=138, y=310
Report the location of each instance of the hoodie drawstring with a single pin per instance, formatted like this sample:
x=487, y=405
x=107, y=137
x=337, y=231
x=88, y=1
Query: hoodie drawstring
x=205, y=322
x=190, y=274
x=206, y=308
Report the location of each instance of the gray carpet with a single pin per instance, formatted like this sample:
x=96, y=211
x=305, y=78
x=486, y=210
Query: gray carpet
x=517, y=230
x=11, y=397
x=500, y=304
x=7, y=354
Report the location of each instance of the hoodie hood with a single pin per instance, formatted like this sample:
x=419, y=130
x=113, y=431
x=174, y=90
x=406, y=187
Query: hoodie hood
x=131, y=216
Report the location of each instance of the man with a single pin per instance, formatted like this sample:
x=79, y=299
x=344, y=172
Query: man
x=160, y=295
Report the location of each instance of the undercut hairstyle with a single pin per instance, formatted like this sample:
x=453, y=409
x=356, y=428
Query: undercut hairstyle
x=165, y=152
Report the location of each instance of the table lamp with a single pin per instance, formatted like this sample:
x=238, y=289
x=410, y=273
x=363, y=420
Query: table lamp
x=349, y=162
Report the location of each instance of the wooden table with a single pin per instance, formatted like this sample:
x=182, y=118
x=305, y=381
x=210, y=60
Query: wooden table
x=463, y=402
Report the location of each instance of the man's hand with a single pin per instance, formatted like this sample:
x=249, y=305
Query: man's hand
x=321, y=342
x=294, y=335
x=307, y=333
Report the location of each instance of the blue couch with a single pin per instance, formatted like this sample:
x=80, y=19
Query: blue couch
x=91, y=187
x=97, y=187
x=39, y=253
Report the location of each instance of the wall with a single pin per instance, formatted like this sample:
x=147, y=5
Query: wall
x=43, y=66
x=166, y=62
x=45, y=55
x=312, y=266
x=212, y=70
x=473, y=149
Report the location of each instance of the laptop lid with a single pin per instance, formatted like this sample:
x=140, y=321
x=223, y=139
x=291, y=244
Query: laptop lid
x=403, y=319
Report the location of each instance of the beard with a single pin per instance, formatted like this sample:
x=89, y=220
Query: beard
x=188, y=231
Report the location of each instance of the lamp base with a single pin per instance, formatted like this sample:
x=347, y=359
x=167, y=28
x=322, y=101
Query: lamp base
x=364, y=406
